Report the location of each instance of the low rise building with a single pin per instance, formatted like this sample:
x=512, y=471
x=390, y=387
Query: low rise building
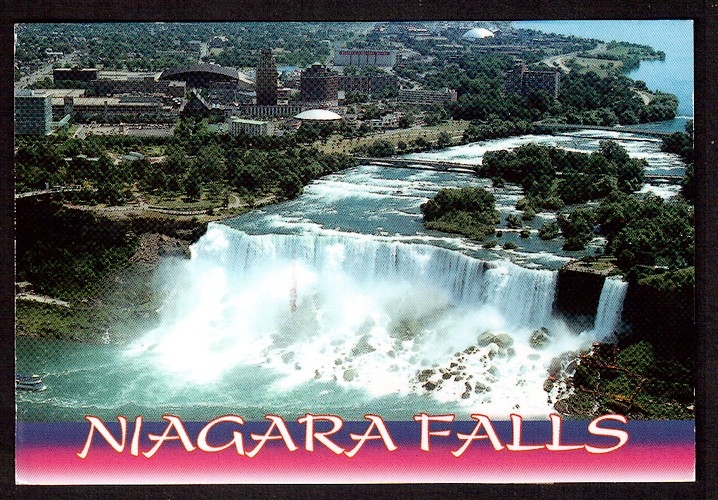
x=364, y=57
x=138, y=85
x=258, y=110
x=105, y=107
x=369, y=84
x=388, y=121
x=426, y=97
x=253, y=128
x=75, y=74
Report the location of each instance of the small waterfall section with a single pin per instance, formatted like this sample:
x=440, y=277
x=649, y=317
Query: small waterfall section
x=376, y=316
x=610, y=308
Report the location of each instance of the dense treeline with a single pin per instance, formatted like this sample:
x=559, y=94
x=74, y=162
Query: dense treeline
x=681, y=144
x=469, y=211
x=66, y=253
x=156, y=46
x=495, y=128
x=645, y=234
x=647, y=231
x=587, y=98
x=553, y=177
x=195, y=160
x=383, y=148
x=591, y=100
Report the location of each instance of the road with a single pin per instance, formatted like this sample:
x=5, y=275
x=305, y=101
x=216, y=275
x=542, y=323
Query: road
x=560, y=60
x=46, y=70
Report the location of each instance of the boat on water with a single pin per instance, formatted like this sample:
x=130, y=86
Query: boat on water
x=29, y=382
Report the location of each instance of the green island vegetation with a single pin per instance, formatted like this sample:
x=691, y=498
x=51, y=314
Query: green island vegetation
x=469, y=211
x=642, y=231
x=681, y=143
x=651, y=241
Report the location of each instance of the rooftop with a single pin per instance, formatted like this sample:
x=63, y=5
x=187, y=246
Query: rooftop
x=318, y=115
x=200, y=68
x=236, y=119
x=478, y=33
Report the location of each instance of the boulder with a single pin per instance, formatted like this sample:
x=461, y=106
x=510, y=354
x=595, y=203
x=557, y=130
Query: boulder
x=363, y=346
x=503, y=340
x=485, y=339
x=424, y=375
x=479, y=388
x=548, y=384
x=540, y=338
x=554, y=369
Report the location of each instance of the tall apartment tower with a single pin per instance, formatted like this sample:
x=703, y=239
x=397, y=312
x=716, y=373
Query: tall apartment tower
x=266, y=80
x=33, y=113
x=319, y=84
x=523, y=81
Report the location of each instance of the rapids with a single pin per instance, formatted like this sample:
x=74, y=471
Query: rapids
x=340, y=302
x=382, y=318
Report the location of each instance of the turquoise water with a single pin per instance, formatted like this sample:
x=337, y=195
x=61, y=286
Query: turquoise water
x=334, y=302
x=674, y=37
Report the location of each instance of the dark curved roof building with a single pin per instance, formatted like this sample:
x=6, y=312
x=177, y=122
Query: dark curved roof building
x=200, y=75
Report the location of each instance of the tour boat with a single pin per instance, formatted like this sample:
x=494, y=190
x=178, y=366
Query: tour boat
x=29, y=382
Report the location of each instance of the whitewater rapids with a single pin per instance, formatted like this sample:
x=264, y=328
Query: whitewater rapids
x=355, y=313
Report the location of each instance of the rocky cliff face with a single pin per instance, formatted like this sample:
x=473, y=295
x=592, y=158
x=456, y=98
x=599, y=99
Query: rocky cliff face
x=577, y=296
x=665, y=318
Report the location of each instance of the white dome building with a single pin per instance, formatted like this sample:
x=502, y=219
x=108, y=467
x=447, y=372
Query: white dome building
x=477, y=33
x=318, y=115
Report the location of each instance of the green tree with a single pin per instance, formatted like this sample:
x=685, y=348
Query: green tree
x=192, y=185
x=577, y=228
x=513, y=221
x=380, y=148
x=444, y=140
x=548, y=231
x=469, y=211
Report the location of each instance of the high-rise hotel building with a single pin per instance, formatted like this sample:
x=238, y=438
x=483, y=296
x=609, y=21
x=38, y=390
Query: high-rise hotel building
x=266, y=80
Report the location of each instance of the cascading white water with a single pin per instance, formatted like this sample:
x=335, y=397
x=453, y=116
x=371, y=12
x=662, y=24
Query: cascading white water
x=360, y=313
x=610, y=308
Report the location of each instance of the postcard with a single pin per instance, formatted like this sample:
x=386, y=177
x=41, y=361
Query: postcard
x=355, y=252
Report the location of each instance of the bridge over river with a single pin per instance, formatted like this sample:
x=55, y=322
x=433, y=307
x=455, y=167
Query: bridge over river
x=469, y=168
x=565, y=127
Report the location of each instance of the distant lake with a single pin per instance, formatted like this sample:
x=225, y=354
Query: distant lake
x=674, y=37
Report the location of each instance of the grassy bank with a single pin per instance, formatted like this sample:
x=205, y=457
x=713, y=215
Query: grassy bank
x=337, y=144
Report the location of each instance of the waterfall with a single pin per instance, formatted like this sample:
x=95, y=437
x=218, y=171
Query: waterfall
x=610, y=307
x=523, y=296
x=370, y=314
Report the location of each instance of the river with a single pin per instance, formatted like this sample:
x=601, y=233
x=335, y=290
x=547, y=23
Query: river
x=340, y=301
x=674, y=37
